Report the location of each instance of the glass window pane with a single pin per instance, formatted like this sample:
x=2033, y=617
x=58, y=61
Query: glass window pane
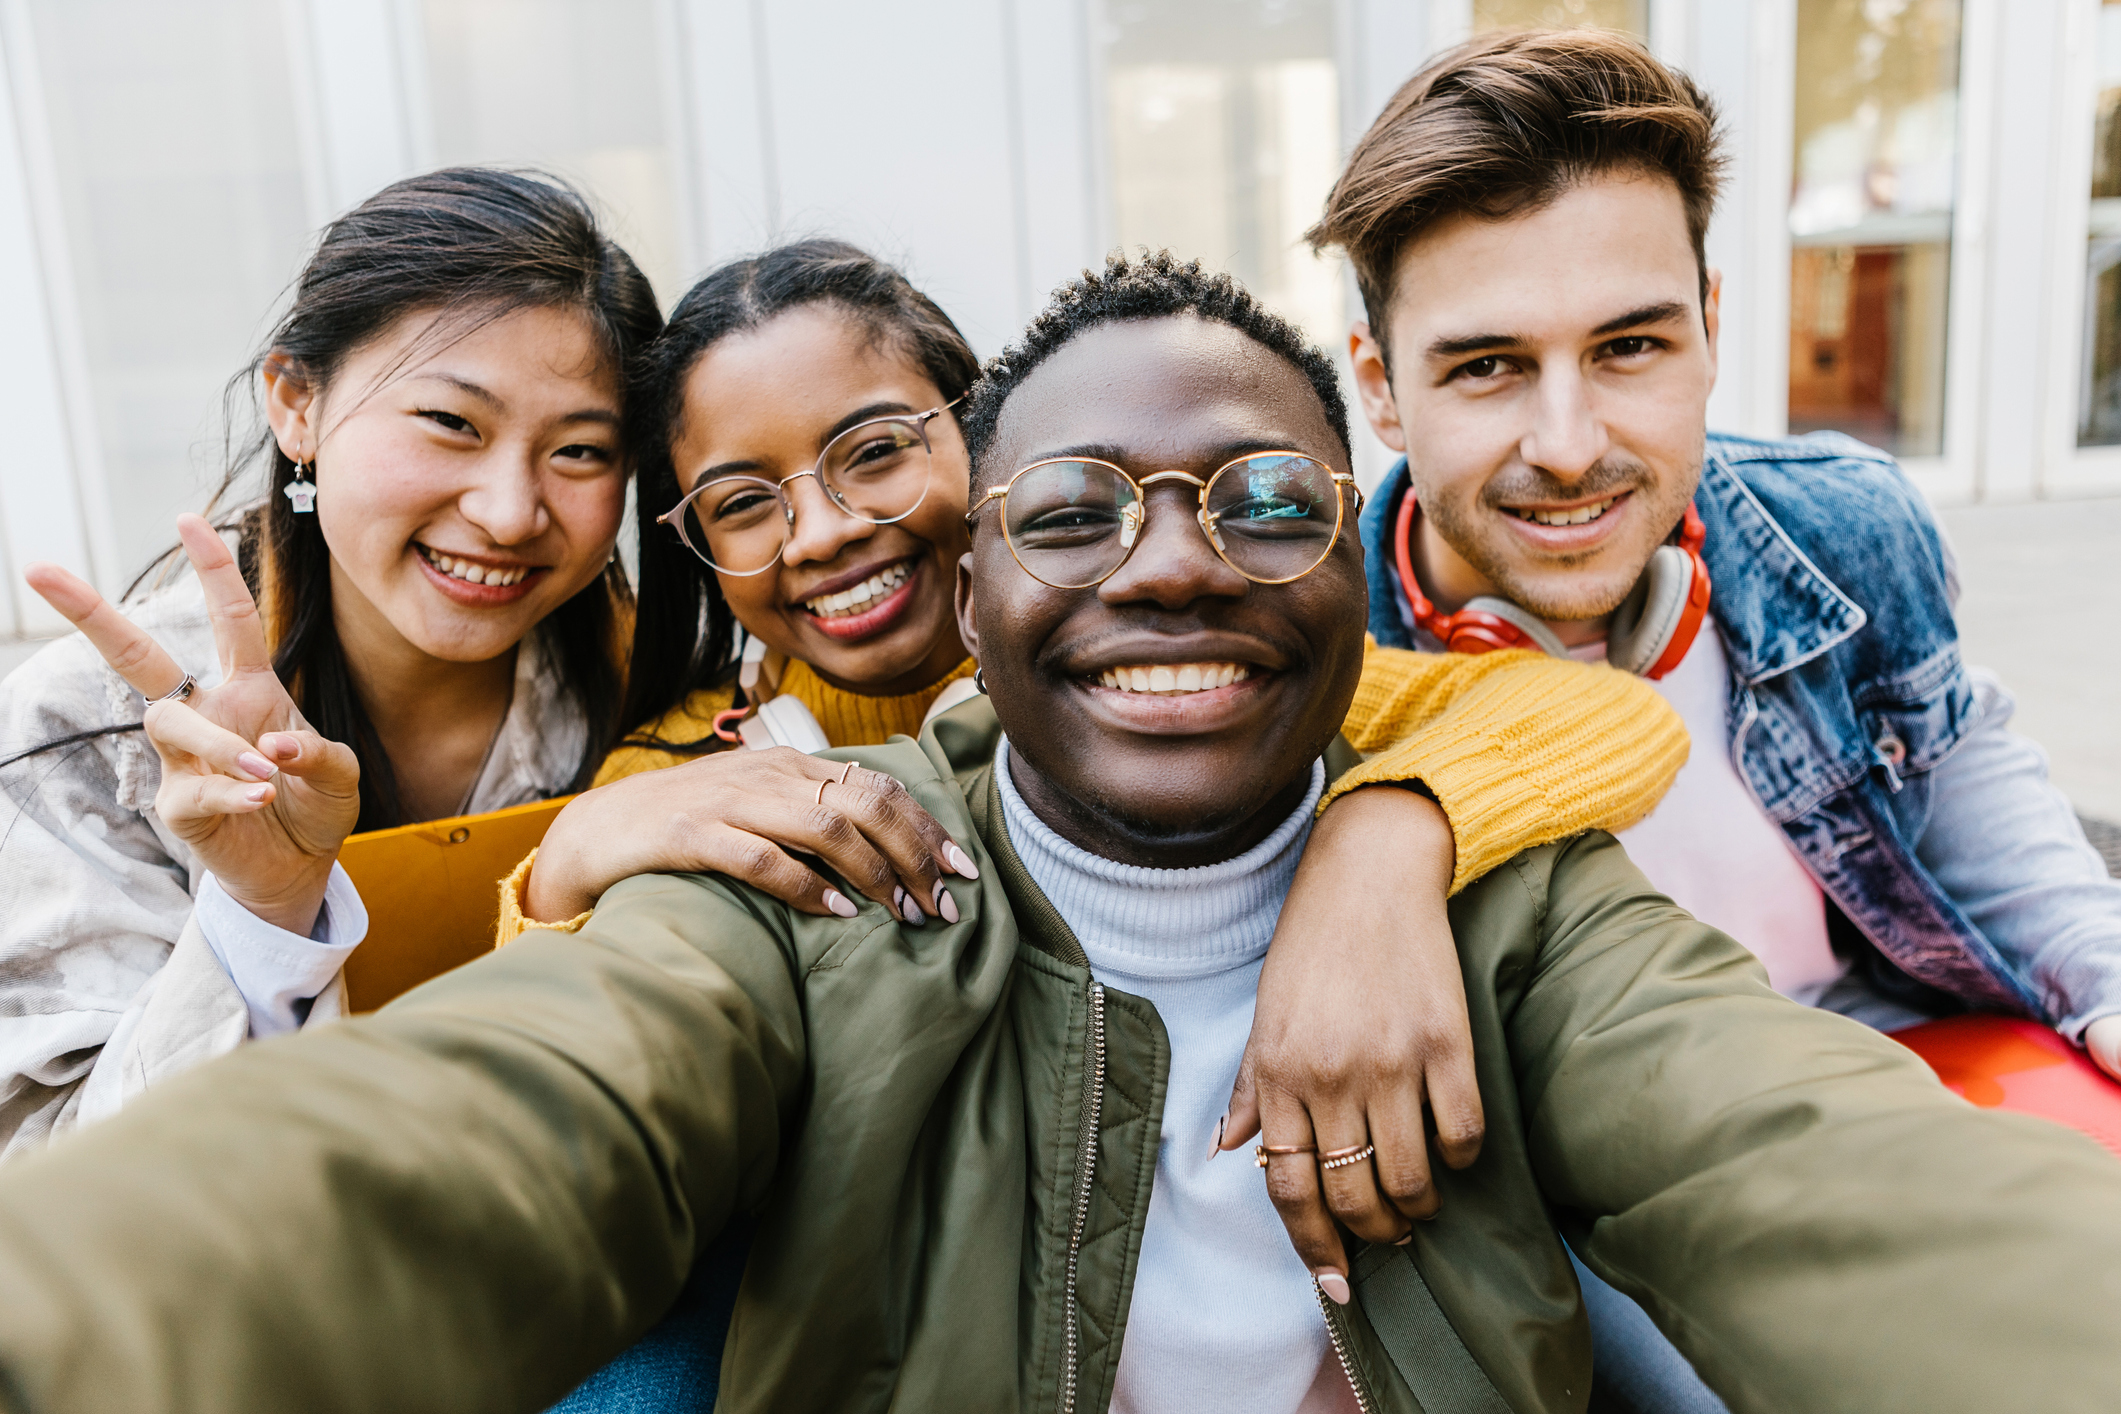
x=574, y=87
x=2099, y=396
x=1225, y=138
x=1875, y=147
x=1630, y=15
x=180, y=191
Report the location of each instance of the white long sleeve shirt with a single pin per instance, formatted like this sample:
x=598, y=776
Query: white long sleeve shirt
x=1224, y=1315
x=97, y=895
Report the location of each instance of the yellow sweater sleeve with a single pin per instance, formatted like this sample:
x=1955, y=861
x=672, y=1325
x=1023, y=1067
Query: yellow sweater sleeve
x=688, y=722
x=514, y=923
x=1520, y=749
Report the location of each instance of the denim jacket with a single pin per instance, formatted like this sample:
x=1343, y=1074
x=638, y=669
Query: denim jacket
x=1954, y=866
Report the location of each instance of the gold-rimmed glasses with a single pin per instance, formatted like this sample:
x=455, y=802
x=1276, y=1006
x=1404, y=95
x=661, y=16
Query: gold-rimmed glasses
x=1071, y=522
x=876, y=471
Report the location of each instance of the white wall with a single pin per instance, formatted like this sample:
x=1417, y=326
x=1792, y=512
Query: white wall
x=965, y=138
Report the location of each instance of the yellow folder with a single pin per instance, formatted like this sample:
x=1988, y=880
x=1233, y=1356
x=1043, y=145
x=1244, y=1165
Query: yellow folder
x=433, y=894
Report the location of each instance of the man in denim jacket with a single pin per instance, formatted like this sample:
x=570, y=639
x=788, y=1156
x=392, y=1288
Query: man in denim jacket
x=1526, y=222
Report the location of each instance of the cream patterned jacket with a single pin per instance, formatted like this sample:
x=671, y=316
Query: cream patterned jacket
x=107, y=984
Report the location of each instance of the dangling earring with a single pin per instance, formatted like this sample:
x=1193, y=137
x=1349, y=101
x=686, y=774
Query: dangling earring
x=302, y=491
x=979, y=680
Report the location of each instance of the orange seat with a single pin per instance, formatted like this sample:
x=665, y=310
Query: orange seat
x=2000, y=1062
x=433, y=894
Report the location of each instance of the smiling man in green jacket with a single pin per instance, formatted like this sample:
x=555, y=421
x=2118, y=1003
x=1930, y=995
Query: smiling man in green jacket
x=977, y=1153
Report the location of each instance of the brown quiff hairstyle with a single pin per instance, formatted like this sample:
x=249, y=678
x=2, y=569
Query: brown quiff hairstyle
x=1505, y=124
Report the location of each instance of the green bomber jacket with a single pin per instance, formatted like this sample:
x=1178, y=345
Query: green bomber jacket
x=948, y=1136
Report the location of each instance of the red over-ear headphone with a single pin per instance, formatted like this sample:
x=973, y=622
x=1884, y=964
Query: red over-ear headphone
x=1651, y=631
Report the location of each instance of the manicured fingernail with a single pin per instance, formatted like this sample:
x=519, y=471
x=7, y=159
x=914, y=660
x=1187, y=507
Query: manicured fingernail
x=257, y=765
x=1333, y=1284
x=908, y=909
x=1217, y=1146
x=837, y=902
x=959, y=861
x=258, y=795
x=1404, y=1240
x=279, y=744
x=944, y=904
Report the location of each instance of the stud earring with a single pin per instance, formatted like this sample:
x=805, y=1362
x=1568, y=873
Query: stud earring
x=302, y=491
x=979, y=680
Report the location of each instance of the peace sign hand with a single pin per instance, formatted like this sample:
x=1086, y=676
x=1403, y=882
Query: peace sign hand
x=264, y=800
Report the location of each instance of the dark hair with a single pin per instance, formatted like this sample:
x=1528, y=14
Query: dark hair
x=470, y=244
x=684, y=635
x=1151, y=287
x=1503, y=125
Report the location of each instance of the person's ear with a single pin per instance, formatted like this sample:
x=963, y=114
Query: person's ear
x=967, y=610
x=290, y=407
x=1712, y=317
x=1373, y=384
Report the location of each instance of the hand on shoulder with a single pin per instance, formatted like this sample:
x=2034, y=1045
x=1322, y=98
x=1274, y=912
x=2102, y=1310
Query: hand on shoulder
x=748, y=814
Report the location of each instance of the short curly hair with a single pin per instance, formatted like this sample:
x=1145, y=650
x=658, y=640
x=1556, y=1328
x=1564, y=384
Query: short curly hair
x=1151, y=286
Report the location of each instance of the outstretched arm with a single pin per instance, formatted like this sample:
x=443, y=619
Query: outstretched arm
x=467, y=1201
x=1804, y=1210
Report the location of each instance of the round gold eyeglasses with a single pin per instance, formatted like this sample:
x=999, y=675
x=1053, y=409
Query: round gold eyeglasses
x=875, y=471
x=1071, y=522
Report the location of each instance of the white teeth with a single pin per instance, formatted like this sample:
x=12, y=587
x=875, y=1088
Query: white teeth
x=1582, y=515
x=1174, y=679
x=877, y=586
x=475, y=574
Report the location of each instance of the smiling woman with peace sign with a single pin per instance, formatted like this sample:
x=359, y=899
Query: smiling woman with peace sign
x=417, y=614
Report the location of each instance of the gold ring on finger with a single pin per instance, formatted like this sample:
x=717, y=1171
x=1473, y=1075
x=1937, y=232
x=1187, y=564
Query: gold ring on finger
x=1263, y=1152
x=828, y=781
x=1341, y=1158
x=180, y=693
x=845, y=774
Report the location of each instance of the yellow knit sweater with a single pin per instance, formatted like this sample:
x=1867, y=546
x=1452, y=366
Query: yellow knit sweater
x=1519, y=749
x=848, y=718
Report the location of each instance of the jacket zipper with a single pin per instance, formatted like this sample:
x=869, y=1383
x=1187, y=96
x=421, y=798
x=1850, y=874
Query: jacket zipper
x=1085, y=1169
x=1340, y=1350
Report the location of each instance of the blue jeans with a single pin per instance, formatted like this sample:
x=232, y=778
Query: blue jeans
x=677, y=1367
x=1631, y=1358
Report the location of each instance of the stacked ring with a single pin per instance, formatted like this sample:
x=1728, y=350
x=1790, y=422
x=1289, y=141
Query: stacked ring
x=1341, y=1158
x=1263, y=1152
x=840, y=782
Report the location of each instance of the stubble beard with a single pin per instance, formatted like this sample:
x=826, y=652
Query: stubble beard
x=1557, y=593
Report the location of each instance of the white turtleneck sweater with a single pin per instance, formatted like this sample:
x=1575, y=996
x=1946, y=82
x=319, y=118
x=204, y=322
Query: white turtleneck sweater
x=1224, y=1316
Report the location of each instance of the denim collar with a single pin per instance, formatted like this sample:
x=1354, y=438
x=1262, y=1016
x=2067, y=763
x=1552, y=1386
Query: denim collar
x=1775, y=608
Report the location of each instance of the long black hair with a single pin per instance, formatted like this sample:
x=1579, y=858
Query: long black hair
x=684, y=637
x=469, y=245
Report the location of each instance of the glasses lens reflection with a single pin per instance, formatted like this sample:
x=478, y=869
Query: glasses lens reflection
x=1072, y=523
x=1275, y=515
